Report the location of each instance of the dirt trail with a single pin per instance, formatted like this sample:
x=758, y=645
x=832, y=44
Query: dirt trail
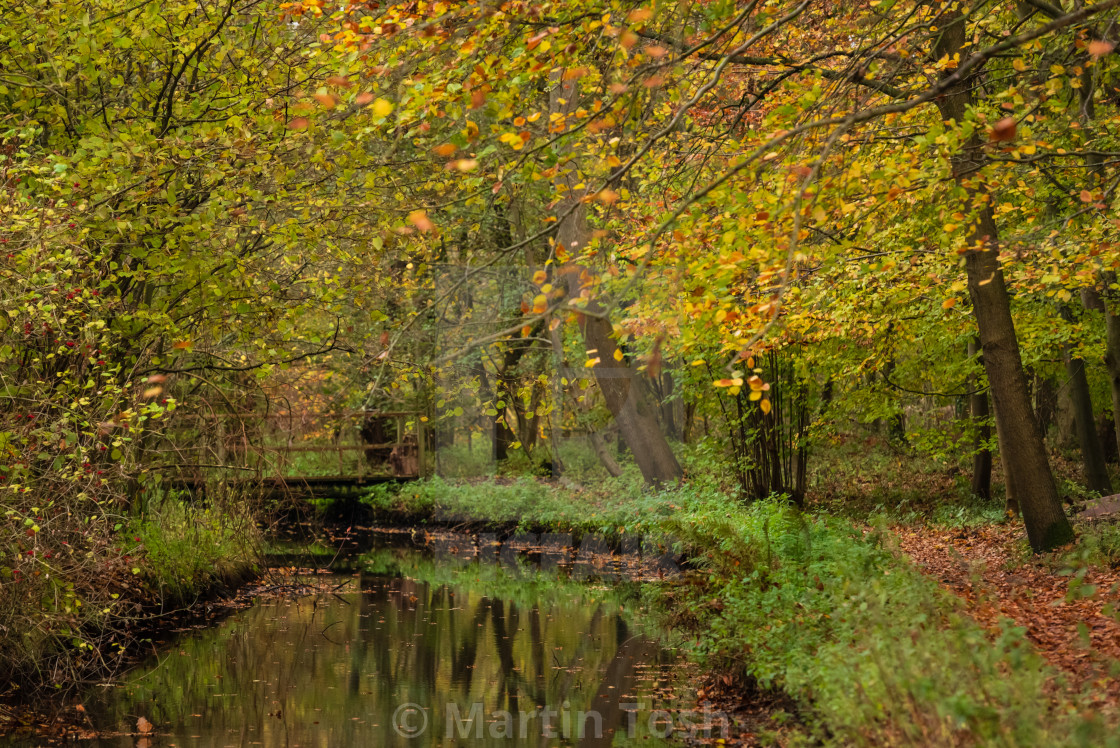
x=988, y=568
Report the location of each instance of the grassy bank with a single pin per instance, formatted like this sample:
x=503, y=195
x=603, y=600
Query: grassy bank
x=816, y=605
x=73, y=590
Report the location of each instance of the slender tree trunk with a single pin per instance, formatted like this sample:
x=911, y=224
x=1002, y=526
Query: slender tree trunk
x=689, y=421
x=668, y=414
x=1092, y=451
x=1112, y=355
x=626, y=393
x=1092, y=454
x=982, y=457
x=1024, y=455
x=604, y=454
x=896, y=424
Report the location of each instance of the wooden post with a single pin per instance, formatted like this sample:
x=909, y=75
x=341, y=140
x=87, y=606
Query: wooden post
x=421, y=461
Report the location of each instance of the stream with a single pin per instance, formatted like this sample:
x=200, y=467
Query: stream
x=403, y=647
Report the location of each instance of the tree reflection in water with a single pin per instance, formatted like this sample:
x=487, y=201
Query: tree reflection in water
x=333, y=669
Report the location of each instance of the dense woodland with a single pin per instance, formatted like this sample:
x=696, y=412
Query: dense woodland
x=717, y=237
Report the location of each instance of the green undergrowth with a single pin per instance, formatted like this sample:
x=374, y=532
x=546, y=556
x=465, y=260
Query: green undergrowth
x=877, y=653
x=814, y=605
x=527, y=504
x=187, y=548
x=79, y=585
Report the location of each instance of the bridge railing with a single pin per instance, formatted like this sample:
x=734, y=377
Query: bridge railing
x=254, y=447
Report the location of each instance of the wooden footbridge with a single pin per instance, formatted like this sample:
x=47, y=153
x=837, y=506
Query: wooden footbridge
x=310, y=470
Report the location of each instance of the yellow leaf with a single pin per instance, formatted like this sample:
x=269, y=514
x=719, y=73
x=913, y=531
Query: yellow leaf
x=591, y=362
x=617, y=354
x=764, y=405
x=382, y=108
x=540, y=303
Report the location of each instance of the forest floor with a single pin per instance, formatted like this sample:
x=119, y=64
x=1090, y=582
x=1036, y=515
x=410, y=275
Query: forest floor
x=1066, y=609
x=1067, y=602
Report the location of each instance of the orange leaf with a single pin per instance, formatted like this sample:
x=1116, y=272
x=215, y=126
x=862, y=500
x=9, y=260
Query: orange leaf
x=1003, y=130
x=419, y=219
x=1100, y=48
x=298, y=123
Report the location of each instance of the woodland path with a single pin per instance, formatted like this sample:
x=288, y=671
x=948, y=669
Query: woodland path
x=989, y=568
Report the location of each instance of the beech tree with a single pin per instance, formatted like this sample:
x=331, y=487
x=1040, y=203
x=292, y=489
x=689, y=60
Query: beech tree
x=422, y=195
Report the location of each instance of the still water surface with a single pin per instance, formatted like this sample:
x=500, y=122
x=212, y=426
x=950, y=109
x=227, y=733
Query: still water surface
x=408, y=652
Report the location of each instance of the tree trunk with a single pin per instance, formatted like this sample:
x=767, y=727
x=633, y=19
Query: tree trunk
x=627, y=396
x=1092, y=452
x=896, y=424
x=689, y=421
x=1045, y=403
x=604, y=454
x=629, y=401
x=668, y=407
x=1092, y=455
x=982, y=457
x=1112, y=359
x=1011, y=503
x=1024, y=455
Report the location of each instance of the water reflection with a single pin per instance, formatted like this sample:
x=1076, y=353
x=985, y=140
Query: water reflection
x=398, y=660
